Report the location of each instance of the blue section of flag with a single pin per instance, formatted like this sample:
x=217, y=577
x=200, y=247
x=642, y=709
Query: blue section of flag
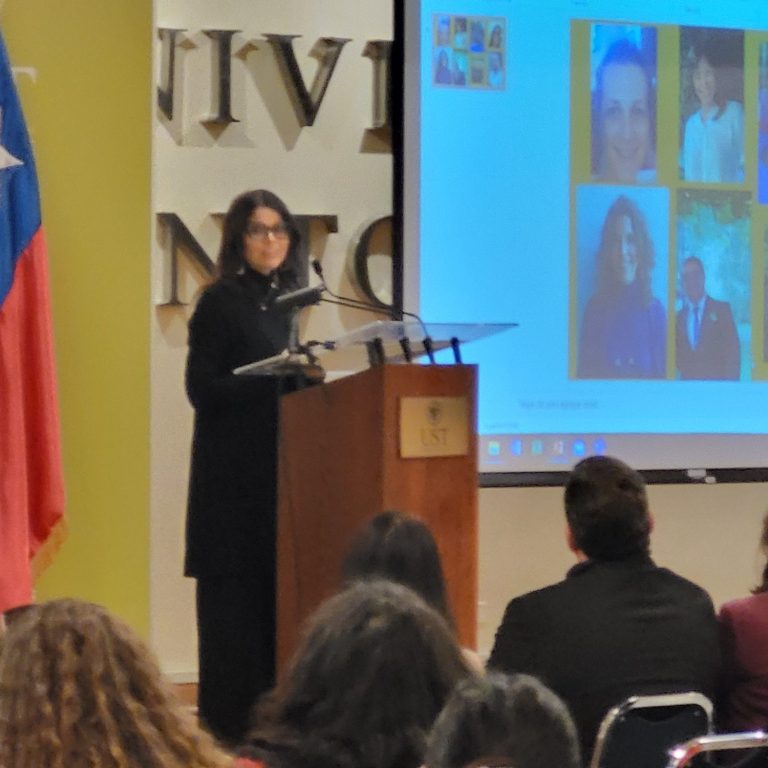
x=19, y=195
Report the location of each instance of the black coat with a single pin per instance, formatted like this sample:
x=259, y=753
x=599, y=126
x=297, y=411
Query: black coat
x=233, y=477
x=610, y=631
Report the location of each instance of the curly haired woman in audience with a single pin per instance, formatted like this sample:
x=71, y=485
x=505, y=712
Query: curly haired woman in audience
x=78, y=689
x=372, y=673
x=743, y=705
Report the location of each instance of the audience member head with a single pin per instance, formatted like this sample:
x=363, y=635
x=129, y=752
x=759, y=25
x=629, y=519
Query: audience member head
x=763, y=585
x=371, y=674
x=78, y=689
x=623, y=115
x=626, y=253
x=512, y=721
x=399, y=548
x=266, y=247
x=607, y=510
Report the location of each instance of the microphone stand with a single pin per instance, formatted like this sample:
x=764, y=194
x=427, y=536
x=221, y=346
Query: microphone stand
x=311, y=371
x=375, y=348
x=345, y=301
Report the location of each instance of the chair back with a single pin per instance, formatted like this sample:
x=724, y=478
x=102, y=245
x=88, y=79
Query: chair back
x=639, y=732
x=744, y=750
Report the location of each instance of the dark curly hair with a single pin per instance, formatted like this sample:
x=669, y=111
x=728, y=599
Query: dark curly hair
x=373, y=671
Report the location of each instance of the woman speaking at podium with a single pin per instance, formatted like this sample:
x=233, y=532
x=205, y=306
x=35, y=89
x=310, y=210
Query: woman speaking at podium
x=231, y=511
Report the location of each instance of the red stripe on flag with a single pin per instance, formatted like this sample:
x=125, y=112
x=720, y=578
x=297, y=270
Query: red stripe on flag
x=31, y=482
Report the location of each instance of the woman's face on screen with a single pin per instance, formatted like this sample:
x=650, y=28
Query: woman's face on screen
x=265, y=241
x=705, y=83
x=625, y=253
x=626, y=122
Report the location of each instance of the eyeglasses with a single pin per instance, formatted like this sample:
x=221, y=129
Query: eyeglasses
x=262, y=231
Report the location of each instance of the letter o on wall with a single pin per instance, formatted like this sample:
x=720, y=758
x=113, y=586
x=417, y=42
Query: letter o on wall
x=372, y=262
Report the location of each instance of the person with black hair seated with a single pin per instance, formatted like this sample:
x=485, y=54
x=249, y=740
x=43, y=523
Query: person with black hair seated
x=503, y=720
x=370, y=676
x=400, y=548
x=618, y=625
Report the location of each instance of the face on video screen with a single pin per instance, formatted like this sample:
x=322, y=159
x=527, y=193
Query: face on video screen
x=692, y=279
x=713, y=149
x=705, y=83
x=623, y=100
x=625, y=253
x=626, y=129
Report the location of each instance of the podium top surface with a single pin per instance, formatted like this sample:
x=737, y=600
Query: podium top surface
x=395, y=330
x=348, y=352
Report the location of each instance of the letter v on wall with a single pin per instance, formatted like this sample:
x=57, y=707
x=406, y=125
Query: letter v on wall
x=327, y=50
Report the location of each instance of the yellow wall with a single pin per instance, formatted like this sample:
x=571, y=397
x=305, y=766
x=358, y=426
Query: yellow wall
x=89, y=116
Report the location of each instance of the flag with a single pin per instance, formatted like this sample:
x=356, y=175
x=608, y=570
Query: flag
x=31, y=481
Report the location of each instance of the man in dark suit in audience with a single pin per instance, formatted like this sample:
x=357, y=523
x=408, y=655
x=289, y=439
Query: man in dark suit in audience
x=618, y=625
x=707, y=343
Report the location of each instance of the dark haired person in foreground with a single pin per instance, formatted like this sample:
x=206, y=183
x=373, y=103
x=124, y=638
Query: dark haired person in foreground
x=504, y=720
x=618, y=625
x=372, y=673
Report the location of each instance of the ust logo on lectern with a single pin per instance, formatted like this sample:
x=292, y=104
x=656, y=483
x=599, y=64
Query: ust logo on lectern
x=434, y=434
x=433, y=426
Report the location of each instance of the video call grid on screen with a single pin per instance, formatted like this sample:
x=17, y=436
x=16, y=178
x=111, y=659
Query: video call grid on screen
x=610, y=197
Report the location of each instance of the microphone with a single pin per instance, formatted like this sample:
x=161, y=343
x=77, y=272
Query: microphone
x=350, y=302
x=357, y=304
x=269, y=296
x=303, y=297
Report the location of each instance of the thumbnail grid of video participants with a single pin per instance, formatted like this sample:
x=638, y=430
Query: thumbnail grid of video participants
x=468, y=51
x=669, y=185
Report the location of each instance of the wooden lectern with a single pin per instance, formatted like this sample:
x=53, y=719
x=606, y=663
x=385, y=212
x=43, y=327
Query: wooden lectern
x=340, y=463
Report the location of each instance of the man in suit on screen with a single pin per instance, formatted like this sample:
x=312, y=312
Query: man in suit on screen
x=707, y=343
x=617, y=625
